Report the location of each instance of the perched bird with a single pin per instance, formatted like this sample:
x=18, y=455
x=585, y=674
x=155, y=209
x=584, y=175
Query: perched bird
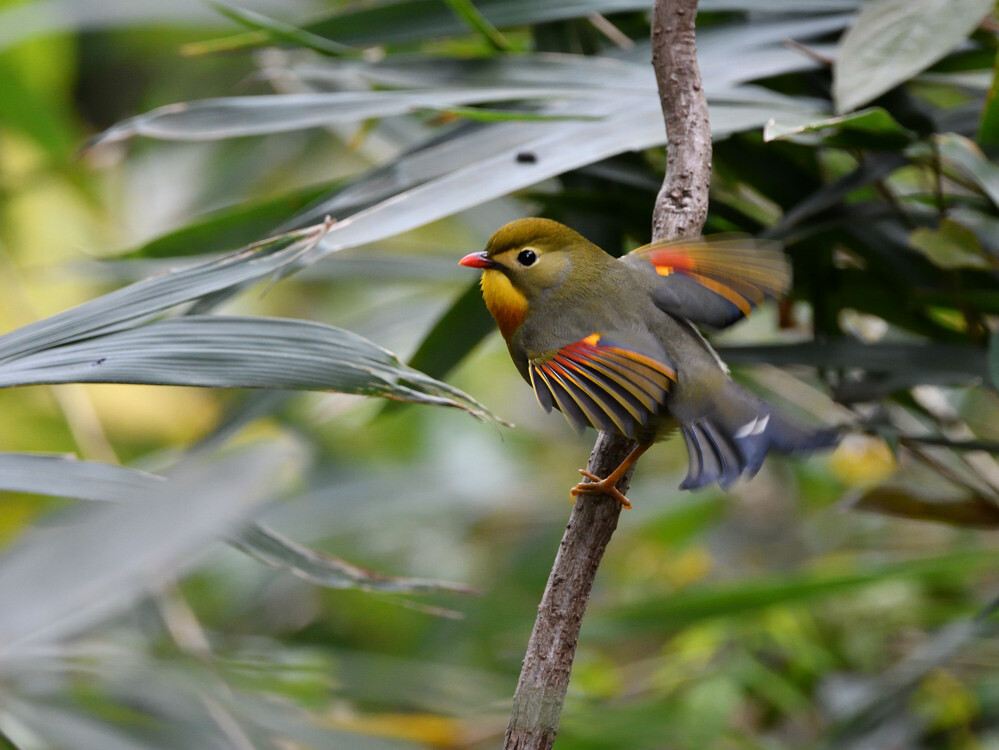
x=611, y=343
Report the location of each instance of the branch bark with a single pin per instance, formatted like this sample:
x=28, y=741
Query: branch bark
x=681, y=209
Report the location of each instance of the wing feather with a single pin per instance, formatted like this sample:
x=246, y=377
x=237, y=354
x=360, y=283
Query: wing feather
x=602, y=383
x=716, y=280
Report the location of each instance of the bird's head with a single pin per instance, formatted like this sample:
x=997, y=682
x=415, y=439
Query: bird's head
x=526, y=261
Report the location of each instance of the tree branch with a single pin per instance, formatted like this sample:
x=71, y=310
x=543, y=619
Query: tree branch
x=682, y=204
x=681, y=209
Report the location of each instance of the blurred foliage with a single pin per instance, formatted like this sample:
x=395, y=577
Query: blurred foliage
x=861, y=134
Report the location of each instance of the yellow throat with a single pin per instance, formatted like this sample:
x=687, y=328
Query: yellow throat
x=506, y=304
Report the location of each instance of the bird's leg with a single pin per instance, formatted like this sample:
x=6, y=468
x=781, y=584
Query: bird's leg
x=608, y=485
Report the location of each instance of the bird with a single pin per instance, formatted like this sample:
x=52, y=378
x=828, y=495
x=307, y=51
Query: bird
x=612, y=343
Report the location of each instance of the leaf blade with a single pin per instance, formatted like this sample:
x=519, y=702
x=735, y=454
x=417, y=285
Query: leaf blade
x=236, y=352
x=892, y=40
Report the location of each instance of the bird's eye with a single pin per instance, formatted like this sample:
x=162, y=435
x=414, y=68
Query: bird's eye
x=527, y=257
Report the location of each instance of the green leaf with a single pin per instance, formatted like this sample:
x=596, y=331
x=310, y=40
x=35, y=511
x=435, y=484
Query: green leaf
x=322, y=569
x=63, y=476
x=872, y=128
x=542, y=69
x=44, y=122
x=466, y=11
x=965, y=159
x=892, y=40
x=951, y=245
x=143, y=299
x=933, y=363
x=236, y=352
x=90, y=566
x=988, y=128
x=994, y=359
x=229, y=227
x=737, y=598
x=975, y=511
x=240, y=116
x=6, y=743
x=284, y=32
x=400, y=21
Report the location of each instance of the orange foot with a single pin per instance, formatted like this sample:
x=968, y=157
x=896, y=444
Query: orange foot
x=599, y=486
x=608, y=485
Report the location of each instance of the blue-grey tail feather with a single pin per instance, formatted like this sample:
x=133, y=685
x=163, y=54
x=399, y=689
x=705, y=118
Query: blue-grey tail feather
x=734, y=439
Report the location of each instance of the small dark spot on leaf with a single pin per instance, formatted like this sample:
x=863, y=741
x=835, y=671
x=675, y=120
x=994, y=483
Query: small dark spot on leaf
x=100, y=361
x=527, y=157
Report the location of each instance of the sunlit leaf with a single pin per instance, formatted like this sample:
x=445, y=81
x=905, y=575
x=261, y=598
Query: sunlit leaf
x=951, y=245
x=892, y=40
x=869, y=128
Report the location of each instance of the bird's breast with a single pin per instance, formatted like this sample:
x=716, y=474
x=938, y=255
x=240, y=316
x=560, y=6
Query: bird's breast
x=506, y=304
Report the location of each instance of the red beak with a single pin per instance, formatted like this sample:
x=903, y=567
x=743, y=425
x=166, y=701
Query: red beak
x=477, y=260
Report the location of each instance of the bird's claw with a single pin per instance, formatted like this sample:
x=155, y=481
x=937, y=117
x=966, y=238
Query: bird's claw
x=598, y=486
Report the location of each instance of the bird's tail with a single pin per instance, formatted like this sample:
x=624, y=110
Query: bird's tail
x=736, y=435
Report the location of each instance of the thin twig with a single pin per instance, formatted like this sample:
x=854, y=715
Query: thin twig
x=681, y=210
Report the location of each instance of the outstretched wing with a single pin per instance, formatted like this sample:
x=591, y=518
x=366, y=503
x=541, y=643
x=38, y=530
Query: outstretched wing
x=715, y=280
x=603, y=383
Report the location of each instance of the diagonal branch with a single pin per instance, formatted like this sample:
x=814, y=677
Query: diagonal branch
x=681, y=209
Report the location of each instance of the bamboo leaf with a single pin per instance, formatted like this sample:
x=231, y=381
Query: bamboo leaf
x=239, y=116
x=283, y=32
x=322, y=569
x=64, y=476
x=398, y=22
x=229, y=227
x=467, y=12
x=143, y=299
x=235, y=352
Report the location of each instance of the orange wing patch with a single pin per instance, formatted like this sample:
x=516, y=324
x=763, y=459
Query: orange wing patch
x=601, y=383
x=742, y=271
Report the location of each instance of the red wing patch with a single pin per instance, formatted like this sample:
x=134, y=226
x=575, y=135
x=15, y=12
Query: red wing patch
x=601, y=383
